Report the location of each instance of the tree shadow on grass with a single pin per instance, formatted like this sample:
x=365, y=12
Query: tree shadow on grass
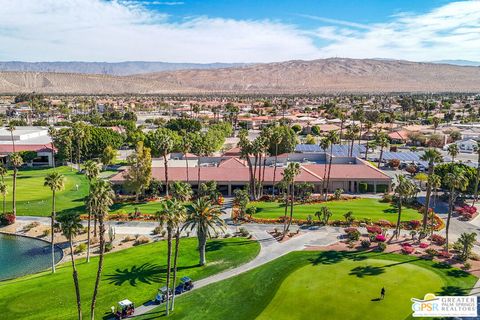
x=361, y=272
x=329, y=257
x=215, y=245
x=453, y=291
x=146, y=273
x=441, y=265
x=457, y=273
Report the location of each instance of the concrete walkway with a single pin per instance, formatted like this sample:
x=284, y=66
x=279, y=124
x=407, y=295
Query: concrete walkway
x=270, y=250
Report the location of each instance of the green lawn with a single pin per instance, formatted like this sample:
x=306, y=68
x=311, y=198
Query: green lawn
x=361, y=208
x=134, y=273
x=33, y=199
x=323, y=285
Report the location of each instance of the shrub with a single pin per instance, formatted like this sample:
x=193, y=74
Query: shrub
x=380, y=238
x=251, y=210
x=445, y=254
x=423, y=245
x=467, y=266
x=227, y=235
x=128, y=239
x=387, y=198
x=394, y=163
x=243, y=232
x=30, y=226
x=7, y=219
x=408, y=250
x=431, y=252
x=354, y=236
x=384, y=223
x=374, y=229
x=82, y=247
x=157, y=230
x=349, y=230
x=438, y=239
x=381, y=246
x=108, y=247
x=414, y=224
x=141, y=240
x=45, y=232
x=366, y=244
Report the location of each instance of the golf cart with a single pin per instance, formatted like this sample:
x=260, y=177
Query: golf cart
x=161, y=296
x=186, y=284
x=125, y=309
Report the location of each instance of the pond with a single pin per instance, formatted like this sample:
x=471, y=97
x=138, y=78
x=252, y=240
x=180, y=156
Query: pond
x=20, y=256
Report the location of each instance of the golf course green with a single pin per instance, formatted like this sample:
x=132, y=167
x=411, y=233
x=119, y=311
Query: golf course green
x=323, y=285
x=361, y=208
x=134, y=274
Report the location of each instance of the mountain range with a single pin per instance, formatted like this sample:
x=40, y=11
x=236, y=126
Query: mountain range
x=334, y=75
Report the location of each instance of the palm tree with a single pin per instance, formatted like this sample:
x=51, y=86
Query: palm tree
x=171, y=216
x=11, y=128
x=56, y=182
x=4, y=191
x=186, y=146
x=92, y=171
x=368, y=127
x=333, y=139
x=404, y=189
x=324, y=144
x=453, y=151
x=382, y=141
x=181, y=191
x=293, y=170
x=52, y=133
x=79, y=134
x=165, y=145
x=477, y=177
x=100, y=199
x=467, y=240
x=205, y=218
x=275, y=139
x=456, y=181
x=70, y=224
x=16, y=161
x=432, y=156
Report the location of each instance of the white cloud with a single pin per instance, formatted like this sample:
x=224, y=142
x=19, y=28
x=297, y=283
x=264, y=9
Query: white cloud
x=448, y=32
x=118, y=30
x=95, y=30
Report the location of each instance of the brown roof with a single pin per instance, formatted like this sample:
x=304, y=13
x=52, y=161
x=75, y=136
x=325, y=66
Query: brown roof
x=8, y=148
x=232, y=163
x=308, y=173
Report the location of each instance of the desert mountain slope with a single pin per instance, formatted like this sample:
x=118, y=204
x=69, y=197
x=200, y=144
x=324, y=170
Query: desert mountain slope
x=317, y=76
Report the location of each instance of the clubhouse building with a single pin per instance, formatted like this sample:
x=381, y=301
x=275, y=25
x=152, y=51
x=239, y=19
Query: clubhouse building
x=351, y=174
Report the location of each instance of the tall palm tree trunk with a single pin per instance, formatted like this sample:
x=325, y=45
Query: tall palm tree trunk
x=275, y=169
x=186, y=166
x=450, y=209
x=292, y=200
x=287, y=194
x=427, y=198
x=88, y=234
x=14, y=191
x=202, y=243
x=175, y=261
x=165, y=161
x=52, y=231
x=75, y=281
x=4, y=203
x=397, y=229
x=100, y=267
x=329, y=171
x=477, y=180
x=169, y=266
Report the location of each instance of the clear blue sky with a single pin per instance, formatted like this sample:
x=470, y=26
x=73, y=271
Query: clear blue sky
x=367, y=11
x=238, y=31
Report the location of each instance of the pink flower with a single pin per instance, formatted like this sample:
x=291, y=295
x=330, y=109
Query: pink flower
x=380, y=238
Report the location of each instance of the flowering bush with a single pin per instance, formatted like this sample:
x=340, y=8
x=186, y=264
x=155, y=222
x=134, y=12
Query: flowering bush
x=408, y=250
x=445, y=254
x=384, y=223
x=423, y=245
x=350, y=230
x=438, y=239
x=431, y=252
x=406, y=244
x=374, y=229
x=380, y=238
x=7, y=219
x=414, y=224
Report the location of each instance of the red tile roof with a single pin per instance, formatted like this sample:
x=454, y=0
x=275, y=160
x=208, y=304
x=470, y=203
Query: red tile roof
x=233, y=163
x=8, y=148
x=308, y=173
